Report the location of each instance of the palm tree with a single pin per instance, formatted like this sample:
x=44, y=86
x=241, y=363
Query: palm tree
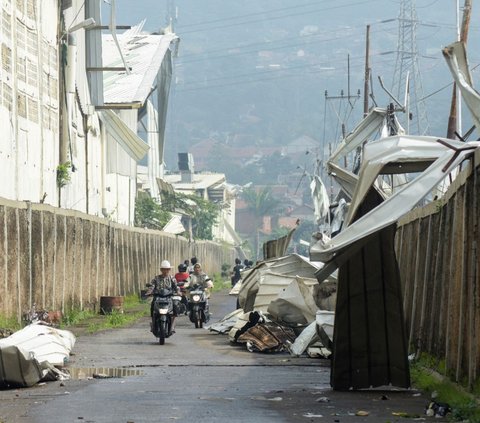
x=260, y=203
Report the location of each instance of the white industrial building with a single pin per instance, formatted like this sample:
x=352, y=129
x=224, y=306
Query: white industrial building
x=73, y=95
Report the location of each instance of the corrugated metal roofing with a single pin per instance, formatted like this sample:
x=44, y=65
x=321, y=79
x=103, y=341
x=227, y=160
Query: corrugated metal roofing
x=200, y=181
x=144, y=54
x=129, y=141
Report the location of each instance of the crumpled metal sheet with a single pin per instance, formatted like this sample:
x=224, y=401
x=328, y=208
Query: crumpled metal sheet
x=268, y=337
x=293, y=302
x=291, y=265
x=227, y=323
x=29, y=355
x=400, y=148
x=456, y=57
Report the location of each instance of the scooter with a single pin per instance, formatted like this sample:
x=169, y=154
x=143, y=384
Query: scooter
x=198, y=306
x=162, y=314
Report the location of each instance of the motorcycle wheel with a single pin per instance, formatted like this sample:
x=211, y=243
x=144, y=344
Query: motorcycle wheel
x=162, y=332
x=197, y=319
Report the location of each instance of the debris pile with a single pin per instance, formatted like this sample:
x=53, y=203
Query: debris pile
x=282, y=308
x=33, y=354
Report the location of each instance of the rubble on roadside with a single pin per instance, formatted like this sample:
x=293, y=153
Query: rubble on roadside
x=34, y=354
x=283, y=309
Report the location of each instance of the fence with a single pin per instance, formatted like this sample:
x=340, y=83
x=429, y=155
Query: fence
x=439, y=264
x=60, y=259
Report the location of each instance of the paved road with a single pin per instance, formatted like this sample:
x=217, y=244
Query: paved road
x=197, y=377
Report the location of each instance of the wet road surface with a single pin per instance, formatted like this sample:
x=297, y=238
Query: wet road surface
x=198, y=376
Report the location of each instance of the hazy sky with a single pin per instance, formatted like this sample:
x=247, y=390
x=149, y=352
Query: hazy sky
x=261, y=67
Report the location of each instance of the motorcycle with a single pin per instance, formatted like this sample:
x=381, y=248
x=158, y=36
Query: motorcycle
x=198, y=306
x=162, y=314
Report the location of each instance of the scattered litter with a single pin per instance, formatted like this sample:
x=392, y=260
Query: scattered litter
x=275, y=399
x=101, y=376
x=417, y=394
x=437, y=409
x=323, y=399
x=310, y=415
x=267, y=337
x=405, y=415
x=362, y=413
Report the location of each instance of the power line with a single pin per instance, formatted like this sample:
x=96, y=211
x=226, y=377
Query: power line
x=251, y=14
x=281, y=17
x=284, y=69
x=204, y=56
x=257, y=51
x=264, y=79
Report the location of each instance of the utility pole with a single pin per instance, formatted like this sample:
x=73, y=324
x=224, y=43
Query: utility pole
x=455, y=118
x=407, y=63
x=366, y=88
x=171, y=16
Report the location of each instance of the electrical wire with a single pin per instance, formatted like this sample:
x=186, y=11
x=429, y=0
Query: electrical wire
x=263, y=79
x=281, y=17
x=241, y=53
x=283, y=69
x=306, y=37
x=250, y=15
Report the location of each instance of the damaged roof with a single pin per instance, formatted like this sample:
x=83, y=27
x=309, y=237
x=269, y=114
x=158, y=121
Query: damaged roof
x=144, y=54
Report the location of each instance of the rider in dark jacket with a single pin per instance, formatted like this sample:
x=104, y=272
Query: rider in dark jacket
x=164, y=280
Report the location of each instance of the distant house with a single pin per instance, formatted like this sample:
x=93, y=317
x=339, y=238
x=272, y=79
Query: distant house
x=204, y=150
x=300, y=145
x=211, y=187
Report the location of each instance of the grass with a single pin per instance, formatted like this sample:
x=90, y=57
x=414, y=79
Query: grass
x=133, y=309
x=465, y=406
x=116, y=319
x=219, y=283
x=10, y=323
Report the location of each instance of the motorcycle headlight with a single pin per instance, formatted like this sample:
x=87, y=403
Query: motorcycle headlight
x=196, y=298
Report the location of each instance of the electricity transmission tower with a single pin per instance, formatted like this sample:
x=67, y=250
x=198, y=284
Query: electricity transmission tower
x=406, y=63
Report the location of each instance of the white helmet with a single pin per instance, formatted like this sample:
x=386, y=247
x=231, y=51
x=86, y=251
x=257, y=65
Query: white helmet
x=165, y=264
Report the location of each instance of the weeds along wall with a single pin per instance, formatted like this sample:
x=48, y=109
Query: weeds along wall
x=437, y=250
x=60, y=259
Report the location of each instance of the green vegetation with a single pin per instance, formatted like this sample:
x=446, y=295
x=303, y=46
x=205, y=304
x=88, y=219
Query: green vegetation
x=260, y=203
x=10, y=323
x=117, y=319
x=73, y=317
x=220, y=283
x=94, y=322
x=149, y=214
x=465, y=406
x=204, y=214
x=63, y=174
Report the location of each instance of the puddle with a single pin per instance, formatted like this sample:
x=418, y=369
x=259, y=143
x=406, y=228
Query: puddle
x=102, y=372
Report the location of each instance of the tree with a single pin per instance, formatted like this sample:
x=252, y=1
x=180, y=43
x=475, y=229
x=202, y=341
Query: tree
x=260, y=203
x=148, y=213
x=203, y=214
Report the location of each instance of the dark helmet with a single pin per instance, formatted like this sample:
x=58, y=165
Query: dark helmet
x=193, y=260
x=182, y=267
x=237, y=261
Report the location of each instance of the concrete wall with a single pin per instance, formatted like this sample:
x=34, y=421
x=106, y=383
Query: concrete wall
x=60, y=259
x=437, y=249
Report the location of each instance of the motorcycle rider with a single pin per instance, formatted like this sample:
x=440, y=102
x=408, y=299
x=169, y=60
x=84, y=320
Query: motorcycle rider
x=182, y=282
x=200, y=278
x=164, y=280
